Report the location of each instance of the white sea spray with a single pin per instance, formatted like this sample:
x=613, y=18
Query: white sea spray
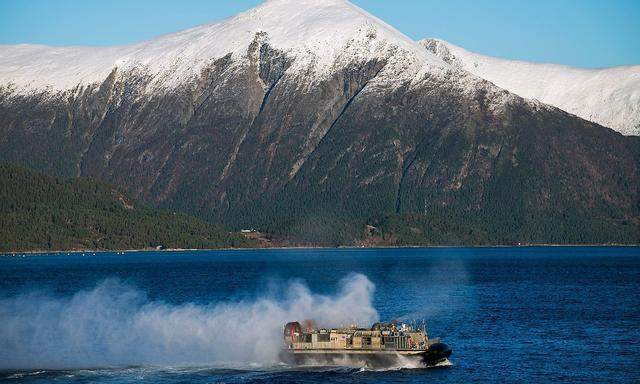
x=116, y=325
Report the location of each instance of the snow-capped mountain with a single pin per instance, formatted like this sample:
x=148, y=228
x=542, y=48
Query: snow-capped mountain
x=312, y=118
x=609, y=96
x=316, y=34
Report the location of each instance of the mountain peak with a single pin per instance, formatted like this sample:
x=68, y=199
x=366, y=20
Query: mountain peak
x=313, y=32
x=323, y=27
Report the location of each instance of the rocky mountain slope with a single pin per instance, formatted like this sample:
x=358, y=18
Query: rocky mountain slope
x=609, y=96
x=315, y=121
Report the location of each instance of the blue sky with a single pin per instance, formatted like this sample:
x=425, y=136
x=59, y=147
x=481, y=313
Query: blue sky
x=587, y=33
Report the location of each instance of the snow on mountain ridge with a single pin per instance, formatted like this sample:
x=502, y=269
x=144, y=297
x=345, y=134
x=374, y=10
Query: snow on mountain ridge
x=314, y=32
x=609, y=96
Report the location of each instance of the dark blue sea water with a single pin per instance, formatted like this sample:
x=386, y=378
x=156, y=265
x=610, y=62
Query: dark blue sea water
x=510, y=314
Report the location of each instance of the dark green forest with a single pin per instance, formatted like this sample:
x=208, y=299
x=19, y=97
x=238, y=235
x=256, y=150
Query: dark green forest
x=44, y=213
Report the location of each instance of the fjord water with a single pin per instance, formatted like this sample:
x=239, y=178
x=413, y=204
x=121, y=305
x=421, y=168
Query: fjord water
x=550, y=314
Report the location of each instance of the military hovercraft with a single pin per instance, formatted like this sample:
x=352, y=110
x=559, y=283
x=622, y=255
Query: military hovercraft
x=384, y=344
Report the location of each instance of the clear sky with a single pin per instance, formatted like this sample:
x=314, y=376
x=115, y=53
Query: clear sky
x=587, y=33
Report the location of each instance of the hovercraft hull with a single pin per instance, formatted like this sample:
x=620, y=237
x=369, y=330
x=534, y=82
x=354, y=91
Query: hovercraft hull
x=436, y=354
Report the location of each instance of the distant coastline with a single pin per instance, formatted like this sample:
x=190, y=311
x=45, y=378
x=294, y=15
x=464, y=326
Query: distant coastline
x=184, y=250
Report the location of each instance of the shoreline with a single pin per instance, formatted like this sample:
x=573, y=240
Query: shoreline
x=184, y=250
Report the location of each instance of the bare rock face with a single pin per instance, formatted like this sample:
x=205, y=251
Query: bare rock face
x=314, y=145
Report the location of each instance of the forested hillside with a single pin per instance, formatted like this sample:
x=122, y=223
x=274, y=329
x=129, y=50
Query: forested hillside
x=39, y=212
